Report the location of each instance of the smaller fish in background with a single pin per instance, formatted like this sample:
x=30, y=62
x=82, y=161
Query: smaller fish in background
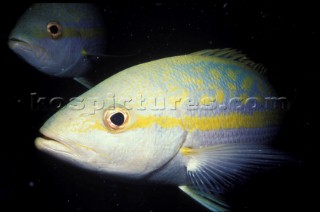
x=59, y=38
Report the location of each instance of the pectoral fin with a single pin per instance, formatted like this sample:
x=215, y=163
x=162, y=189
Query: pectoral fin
x=213, y=170
x=105, y=56
x=83, y=81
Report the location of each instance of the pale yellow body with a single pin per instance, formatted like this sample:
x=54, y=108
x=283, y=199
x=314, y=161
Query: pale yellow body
x=170, y=112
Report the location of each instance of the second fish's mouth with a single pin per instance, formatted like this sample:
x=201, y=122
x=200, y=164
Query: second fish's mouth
x=16, y=41
x=17, y=44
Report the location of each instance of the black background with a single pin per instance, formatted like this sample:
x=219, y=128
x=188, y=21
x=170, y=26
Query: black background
x=283, y=36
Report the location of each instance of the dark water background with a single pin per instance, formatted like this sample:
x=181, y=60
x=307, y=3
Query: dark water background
x=283, y=36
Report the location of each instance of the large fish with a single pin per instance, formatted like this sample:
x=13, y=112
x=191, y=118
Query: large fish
x=58, y=38
x=196, y=121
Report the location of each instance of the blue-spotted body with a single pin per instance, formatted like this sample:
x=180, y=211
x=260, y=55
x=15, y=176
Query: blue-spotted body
x=196, y=121
x=56, y=38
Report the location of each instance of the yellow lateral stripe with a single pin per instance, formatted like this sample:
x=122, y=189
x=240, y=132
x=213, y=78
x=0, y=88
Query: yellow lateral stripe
x=163, y=121
x=192, y=123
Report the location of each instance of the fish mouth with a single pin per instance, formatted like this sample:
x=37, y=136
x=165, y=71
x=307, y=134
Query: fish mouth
x=33, y=54
x=55, y=147
x=15, y=43
x=24, y=47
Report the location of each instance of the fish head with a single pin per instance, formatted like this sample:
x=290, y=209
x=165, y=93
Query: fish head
x=99, y=131
x=53, y=36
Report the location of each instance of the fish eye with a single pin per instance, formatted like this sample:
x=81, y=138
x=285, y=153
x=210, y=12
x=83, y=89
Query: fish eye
x=116, y=119
x=54, y=29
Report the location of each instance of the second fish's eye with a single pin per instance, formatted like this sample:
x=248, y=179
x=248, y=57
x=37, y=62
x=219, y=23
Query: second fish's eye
x=54, y=29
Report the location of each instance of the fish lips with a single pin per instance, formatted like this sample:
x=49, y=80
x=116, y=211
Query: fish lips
x=18, y=45
x=56, y=147
x=33, y=54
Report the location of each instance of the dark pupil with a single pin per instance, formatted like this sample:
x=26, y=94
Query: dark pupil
x=54, y=29
x=117, y=119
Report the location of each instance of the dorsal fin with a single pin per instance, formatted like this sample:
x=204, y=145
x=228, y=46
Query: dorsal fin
x=232, y=54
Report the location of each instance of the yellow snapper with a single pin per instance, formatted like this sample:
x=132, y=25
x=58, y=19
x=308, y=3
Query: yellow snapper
x=196, y=121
